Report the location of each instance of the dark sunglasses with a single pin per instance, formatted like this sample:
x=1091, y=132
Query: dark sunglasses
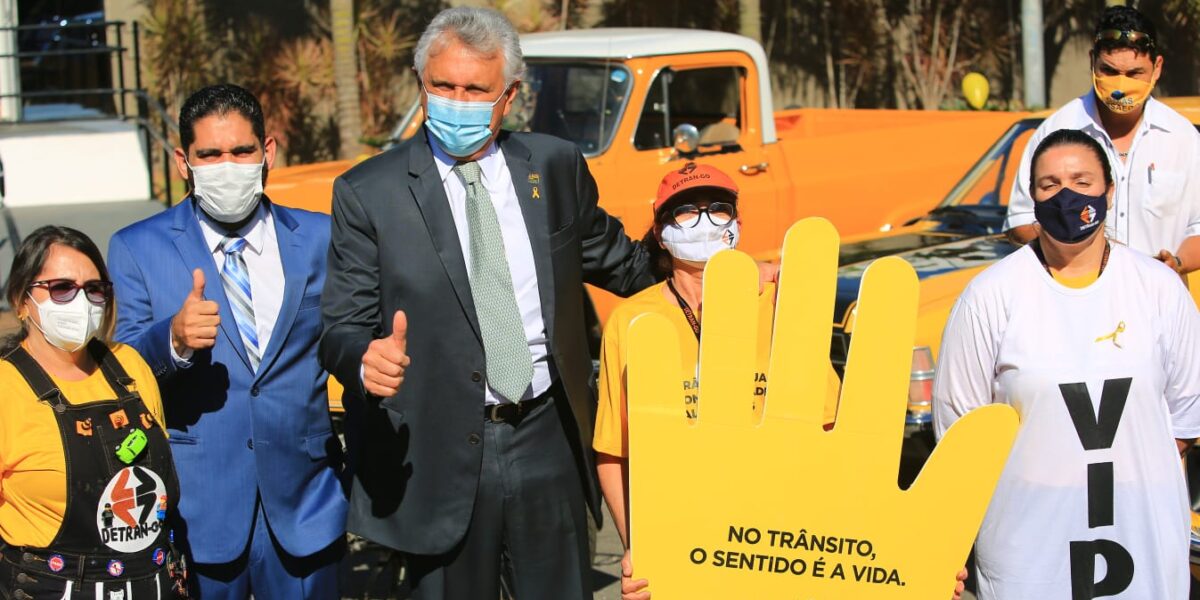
x=686, y=216
x=1120, y=35
x=62, y=291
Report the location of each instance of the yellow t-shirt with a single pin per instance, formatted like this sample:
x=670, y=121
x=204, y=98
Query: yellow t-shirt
x=1077, y=283
x=611, y=436
x=33, y=477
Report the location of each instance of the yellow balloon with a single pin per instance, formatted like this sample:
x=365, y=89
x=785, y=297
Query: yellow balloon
x=975, y=90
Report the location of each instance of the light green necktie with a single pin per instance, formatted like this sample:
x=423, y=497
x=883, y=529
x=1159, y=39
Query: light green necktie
x=509, y=366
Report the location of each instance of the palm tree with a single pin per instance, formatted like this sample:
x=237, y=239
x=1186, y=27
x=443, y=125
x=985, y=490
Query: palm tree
x=345, y=76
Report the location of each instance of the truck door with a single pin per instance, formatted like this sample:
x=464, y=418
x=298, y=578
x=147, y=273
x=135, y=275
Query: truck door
x=713, y=98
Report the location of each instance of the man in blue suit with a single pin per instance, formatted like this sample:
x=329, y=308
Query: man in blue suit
x=221, y=296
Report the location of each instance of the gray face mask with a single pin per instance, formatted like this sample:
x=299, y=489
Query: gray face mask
x=228, y=191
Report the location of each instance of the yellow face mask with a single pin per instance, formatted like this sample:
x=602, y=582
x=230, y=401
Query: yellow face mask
x=1121, y=94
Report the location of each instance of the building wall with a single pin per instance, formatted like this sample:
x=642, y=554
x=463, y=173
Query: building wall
x=1072, y=76
x=129, y=11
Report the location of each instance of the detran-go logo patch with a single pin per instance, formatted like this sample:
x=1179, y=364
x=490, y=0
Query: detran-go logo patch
x=1088, y=215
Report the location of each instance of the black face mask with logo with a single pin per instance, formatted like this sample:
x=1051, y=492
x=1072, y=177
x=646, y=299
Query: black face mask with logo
x=1070, y=216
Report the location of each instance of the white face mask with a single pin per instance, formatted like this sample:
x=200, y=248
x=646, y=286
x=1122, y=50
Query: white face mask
x=69, y=326
x=698, y=244
x=227, y=191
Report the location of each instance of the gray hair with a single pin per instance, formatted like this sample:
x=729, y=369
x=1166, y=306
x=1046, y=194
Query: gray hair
x=484, y=30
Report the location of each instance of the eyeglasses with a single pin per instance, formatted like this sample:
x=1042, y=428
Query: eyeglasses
x=63, y=291
x=1118, y=35
x=686, y=216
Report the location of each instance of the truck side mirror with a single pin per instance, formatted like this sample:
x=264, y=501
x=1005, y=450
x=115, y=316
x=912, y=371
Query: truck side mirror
x=686, y=138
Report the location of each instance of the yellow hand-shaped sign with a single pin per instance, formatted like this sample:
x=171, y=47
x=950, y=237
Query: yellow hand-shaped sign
x=731, y=507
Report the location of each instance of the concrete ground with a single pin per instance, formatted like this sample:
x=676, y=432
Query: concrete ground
x=98, y=220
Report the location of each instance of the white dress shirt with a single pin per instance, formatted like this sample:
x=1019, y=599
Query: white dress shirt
x=1156, y=201
x=517, y=248
x=263, y=263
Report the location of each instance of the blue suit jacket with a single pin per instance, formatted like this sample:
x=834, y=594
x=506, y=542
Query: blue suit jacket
x=236, y=434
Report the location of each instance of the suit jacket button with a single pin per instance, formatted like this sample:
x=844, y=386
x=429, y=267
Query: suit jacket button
x=473, y=439
x=476, y=376
x=250, y=444
x=254, y=391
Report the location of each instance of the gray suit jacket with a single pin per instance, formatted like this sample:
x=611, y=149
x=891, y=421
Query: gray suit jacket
x=416, y=456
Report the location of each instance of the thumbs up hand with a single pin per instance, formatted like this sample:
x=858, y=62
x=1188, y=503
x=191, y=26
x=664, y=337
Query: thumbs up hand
x=194, y=327
x=386, y=359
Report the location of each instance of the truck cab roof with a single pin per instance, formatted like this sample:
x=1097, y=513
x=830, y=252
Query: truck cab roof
x=621, y=43
x=631, y=42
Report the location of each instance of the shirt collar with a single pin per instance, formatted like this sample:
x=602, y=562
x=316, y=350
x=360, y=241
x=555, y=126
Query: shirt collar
x=254, y=231
x=1157, y=114
x=491, y=164
x=1154, y=115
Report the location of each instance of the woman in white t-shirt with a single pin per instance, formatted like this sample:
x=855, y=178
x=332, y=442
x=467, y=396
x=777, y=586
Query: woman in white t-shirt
x=1096, y=346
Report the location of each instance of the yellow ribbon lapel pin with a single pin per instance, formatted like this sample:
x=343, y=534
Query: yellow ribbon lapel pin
x=534, y=180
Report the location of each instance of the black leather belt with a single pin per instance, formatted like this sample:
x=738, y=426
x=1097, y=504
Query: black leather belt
x=512, y=413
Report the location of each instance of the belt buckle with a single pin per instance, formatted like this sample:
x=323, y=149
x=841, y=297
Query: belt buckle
x=494, y=413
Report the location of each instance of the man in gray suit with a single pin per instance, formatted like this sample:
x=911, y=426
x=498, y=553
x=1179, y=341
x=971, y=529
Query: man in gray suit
x=466, y=249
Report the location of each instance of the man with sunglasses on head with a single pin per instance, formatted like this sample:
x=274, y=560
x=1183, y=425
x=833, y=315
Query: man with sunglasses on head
x=220, y=295
x=1155, y=151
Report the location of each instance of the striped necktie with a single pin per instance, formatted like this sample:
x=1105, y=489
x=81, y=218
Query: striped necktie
x=505, y=348
x=236, y=279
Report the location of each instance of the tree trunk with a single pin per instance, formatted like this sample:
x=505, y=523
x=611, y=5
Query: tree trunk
x=345, y=76
x=750, y=19
x=832, y=97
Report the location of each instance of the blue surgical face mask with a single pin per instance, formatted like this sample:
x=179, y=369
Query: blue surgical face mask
x=460, y=128
x=1070, y=216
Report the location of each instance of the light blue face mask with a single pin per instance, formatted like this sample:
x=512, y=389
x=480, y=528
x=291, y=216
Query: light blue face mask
x=461, y=128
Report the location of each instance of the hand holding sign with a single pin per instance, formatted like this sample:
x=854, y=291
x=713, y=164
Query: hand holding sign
x=730, y=507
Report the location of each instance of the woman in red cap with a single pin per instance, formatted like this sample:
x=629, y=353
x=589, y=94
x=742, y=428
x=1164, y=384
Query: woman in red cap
x=695, y=216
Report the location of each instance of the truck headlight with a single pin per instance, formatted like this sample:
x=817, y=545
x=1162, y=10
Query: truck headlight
x=920, y=387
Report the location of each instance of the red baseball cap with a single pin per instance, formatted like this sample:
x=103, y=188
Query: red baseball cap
x=693, y=176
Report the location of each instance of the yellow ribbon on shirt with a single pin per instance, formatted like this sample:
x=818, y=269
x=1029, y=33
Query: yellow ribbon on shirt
x=1113, y=336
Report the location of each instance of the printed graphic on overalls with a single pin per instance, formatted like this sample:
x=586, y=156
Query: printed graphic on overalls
x=127, y=515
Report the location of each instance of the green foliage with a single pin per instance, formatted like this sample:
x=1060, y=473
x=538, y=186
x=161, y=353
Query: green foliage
x=176, y=47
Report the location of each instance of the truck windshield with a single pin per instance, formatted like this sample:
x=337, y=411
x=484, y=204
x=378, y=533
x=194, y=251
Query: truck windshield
x=581, y=102
x=990, y=181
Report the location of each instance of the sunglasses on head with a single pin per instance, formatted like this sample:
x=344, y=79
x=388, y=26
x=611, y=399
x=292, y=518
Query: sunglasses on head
x=1121, y=35
x=63, y=291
